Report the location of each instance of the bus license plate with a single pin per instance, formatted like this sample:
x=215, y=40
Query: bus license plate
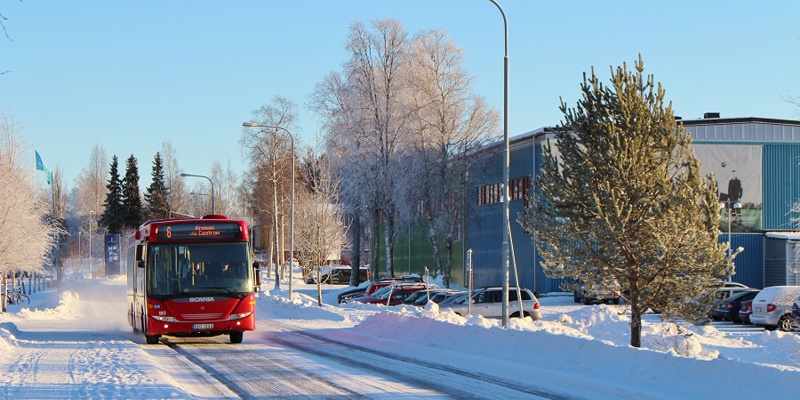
x=202, y=326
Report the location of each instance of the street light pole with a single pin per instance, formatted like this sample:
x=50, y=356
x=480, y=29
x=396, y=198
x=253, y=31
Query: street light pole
x=730, y=206
x=91, y=218
x=291, y=218
x=213, y=211
x=506, y=167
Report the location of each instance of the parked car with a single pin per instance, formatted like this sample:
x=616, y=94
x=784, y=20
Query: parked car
x=772, y=307
x=488, y=302
x=435, y=295
x=729, y=290
x=361, y=291
x=796, y=315
x=338, y=275
x=590, y=292
x=349, y=294
x=729, y=309
x=745, y=311
x=442, y=296
x=392, y=295
x=457, y=298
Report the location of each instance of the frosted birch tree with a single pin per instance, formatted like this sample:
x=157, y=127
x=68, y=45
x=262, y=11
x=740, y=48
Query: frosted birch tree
x=623, y=202
x=320, y=231
x=335, y=102
x=450, y=121
x=90, y=185
x=370, y=112
x=27, y=235
x=178, y=196
x=269, y=151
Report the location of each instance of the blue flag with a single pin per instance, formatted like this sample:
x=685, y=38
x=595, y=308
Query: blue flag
x=39, y=163
x=41, y=167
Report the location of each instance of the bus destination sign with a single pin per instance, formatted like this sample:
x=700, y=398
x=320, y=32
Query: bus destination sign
x=205, y=230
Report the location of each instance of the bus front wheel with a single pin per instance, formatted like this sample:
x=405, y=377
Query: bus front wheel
x=152, y=339
x=237, y=336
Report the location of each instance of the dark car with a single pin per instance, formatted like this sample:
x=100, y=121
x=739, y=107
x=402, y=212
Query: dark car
x=796, y=315
x=435, y=295
x=728, y=309
x=349, y=294
x=339, y=275
x=745, y=311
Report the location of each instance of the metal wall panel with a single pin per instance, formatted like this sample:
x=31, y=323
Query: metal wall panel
x=781, y=177
x=774, y=262
x=484, y=233
x=749, y=262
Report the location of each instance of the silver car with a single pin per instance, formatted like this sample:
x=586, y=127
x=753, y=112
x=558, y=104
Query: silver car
x=488, y=302
x=772, y=307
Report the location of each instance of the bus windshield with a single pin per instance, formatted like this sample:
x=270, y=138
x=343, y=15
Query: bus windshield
x=175, y=269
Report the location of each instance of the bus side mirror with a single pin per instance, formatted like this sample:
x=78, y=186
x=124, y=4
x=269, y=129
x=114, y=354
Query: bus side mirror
x=139, y=256
x=257, y=273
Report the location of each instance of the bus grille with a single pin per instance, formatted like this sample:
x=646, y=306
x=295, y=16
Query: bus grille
x=195, y=317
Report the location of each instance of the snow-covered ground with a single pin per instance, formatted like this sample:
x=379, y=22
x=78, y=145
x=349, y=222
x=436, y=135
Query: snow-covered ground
x=77, y=343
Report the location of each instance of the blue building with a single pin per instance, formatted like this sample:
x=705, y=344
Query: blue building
x=756, y=162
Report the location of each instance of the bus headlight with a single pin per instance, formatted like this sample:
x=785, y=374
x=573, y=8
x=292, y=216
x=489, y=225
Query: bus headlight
x=164, y=318
x=240, y=316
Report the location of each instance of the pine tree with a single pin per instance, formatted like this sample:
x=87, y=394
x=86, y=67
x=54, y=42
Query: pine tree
x=112, y=217
x=621, y=201
x=131, y=199
x=157, y=193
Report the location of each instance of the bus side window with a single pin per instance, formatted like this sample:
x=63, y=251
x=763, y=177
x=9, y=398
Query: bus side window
x=139, y=256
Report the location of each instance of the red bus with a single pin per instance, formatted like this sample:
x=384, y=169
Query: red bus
x=192, y=277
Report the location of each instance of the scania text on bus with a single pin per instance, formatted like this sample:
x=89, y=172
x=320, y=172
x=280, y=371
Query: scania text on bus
x=192, y=277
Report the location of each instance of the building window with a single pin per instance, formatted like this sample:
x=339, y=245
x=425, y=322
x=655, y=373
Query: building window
x=493, y=193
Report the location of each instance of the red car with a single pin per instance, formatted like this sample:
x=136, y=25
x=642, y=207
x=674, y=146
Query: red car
x=391, y=295
x=745, y=311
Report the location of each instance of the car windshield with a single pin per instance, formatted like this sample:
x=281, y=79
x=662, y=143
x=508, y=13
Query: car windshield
x=175, y=269
x=382, y=292
x=457, y=299
x=416, y=296
x=738, y=296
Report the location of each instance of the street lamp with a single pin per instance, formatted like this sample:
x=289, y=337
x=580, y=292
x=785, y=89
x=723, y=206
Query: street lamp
x=291, y=219
x=727, y=204
x=213, y=211
x=91, y=218
x=506, y=164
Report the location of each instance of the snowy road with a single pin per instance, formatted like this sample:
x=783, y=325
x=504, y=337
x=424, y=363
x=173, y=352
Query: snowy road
x=279, y=362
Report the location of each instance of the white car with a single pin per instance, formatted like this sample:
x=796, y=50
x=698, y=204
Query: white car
x=488, y=302
x=772, y=307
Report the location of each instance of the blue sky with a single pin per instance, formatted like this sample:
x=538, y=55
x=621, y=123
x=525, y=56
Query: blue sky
x=130, y=75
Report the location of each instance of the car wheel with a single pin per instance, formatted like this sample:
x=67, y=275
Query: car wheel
x=575, y=298
x=785, y=323
x=587, y=301
x=615, y=301
x=716, y=318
